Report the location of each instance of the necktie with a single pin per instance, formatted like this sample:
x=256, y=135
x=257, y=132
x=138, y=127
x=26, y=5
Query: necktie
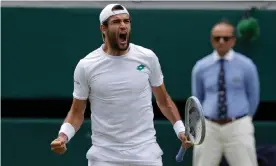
x=222, y=107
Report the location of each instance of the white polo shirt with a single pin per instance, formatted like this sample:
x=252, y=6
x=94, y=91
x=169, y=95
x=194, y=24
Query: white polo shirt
x=119, y=90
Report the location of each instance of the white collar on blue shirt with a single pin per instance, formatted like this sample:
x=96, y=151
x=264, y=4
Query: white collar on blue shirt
x=228, y=56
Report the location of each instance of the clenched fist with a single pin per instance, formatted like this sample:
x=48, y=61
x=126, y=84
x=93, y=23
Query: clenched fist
x=59, y=144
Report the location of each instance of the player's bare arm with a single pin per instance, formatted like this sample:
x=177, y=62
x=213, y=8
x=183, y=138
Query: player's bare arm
x=170, y=111
x=71, y=125
x=76, y=114
x=166, y=104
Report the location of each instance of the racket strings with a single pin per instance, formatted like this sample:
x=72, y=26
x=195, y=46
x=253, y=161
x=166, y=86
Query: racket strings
x=195, y=125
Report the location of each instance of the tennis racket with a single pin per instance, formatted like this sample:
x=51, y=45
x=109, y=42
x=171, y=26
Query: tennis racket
x=194, y=125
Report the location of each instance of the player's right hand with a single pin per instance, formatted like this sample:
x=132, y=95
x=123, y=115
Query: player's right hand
x=185, y=141
x=59, y=145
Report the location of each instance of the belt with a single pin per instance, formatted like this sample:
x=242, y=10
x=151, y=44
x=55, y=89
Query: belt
x=225, y=121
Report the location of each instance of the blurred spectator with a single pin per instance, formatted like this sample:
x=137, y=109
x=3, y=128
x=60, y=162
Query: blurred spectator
x=227, y=84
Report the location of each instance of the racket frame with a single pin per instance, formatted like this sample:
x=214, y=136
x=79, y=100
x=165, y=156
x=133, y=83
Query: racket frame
x=193, y=100
x=196, y=103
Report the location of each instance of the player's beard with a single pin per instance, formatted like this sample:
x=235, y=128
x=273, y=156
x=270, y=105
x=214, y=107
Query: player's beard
x=113, y=39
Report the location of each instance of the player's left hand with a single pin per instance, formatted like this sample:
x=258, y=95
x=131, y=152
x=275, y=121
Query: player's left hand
x=184, y=140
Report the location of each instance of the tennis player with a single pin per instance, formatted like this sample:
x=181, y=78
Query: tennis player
x=119, y=78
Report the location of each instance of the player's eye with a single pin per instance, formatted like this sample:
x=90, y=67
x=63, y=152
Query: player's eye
x=116, y=21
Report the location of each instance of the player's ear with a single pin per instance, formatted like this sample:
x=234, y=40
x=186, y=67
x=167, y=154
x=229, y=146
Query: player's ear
x=103, y=28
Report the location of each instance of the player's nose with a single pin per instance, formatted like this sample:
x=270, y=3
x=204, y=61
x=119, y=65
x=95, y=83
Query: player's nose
x=122, y=25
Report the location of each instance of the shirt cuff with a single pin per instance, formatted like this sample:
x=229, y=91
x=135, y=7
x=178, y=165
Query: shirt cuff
x=158, y=83
x=79, y=97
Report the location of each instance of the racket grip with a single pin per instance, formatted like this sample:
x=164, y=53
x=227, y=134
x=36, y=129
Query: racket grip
x=180, y=154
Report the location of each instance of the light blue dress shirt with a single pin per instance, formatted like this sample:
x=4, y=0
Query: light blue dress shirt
x=242, y=84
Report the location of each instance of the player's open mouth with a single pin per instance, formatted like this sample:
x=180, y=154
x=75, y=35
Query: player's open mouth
x=123, y=38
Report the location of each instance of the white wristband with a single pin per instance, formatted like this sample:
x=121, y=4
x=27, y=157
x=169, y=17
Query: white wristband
x=178, y=127
x=68, y=130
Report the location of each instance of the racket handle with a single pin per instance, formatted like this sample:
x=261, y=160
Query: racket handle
x=180, y=154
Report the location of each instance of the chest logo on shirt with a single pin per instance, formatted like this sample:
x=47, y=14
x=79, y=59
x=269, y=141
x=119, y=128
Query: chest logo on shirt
x=236, y=79
x=140, y=67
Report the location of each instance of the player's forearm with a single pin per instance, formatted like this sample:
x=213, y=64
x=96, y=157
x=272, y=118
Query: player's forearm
x=75, y=118
x=71, y=124
x=170, y=110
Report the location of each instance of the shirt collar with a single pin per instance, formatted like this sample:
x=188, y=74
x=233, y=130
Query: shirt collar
x=228, y=56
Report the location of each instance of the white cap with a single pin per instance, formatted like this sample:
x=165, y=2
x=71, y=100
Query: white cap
x=107, y=12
